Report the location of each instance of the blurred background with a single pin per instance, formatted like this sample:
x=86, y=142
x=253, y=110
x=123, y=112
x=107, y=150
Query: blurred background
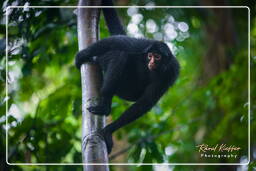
x=207, y=105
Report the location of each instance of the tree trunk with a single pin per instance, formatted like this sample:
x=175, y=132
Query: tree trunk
x=221, y=37
x=93, y=146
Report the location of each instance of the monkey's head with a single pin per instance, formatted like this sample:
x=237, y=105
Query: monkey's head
x=153, y=60
x=158, y=55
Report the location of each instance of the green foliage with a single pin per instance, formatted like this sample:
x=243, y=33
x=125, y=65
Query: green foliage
x=44, y=104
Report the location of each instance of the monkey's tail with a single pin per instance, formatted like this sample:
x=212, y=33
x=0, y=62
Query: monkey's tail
x=114, y=24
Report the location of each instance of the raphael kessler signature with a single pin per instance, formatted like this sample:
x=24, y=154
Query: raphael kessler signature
x=218, y=150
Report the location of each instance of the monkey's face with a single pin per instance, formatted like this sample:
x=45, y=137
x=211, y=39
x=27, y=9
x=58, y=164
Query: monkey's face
x=154, y=60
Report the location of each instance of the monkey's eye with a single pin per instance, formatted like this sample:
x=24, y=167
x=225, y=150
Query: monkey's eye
x=150, y=55
x=157, y=57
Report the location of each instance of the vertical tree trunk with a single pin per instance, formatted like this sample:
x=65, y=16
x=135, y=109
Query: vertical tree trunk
x=220, y=32
x=93, y=146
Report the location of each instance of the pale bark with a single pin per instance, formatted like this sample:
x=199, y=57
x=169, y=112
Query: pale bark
x=93, y=146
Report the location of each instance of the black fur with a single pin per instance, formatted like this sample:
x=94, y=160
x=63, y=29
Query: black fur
x=124, y=61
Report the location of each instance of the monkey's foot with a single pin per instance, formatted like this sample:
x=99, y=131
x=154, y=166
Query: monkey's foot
x=100, y=106
x=100, y=110
x=107, y=138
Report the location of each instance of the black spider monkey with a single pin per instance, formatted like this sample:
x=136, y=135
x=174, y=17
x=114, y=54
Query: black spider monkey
x=139, y=70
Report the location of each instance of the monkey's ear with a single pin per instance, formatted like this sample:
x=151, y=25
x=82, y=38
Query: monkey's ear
x=164, y=49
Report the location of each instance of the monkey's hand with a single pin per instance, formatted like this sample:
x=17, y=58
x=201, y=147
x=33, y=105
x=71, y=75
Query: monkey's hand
x=107, y=135
x=82, y=57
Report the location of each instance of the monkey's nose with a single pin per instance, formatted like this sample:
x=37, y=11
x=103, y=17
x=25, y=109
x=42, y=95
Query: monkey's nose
x=151, y=66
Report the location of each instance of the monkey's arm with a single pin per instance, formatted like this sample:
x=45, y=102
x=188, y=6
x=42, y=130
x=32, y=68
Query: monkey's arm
x=150, y=97
x=95, y=49
x=113, y=43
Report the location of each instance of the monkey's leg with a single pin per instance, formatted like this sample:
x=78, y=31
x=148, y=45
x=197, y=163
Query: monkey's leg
x=113, y=73
x=151, y=95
